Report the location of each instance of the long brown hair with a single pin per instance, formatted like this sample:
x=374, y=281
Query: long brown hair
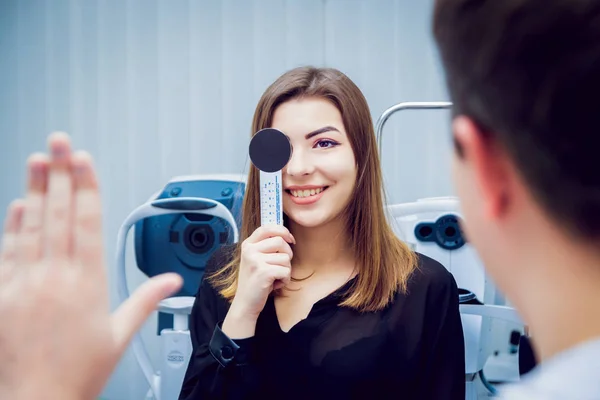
x=384, y=261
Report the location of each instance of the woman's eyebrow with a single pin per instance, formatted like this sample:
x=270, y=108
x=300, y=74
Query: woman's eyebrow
x=321, y=130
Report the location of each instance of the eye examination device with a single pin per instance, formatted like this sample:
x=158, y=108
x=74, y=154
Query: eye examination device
x=177, y=230
x=270, y=150
x=432, y=226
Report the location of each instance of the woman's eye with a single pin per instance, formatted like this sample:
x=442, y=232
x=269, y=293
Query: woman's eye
x=326, y=143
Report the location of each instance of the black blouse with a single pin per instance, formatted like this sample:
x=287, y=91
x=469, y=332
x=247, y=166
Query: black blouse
x=413, y=349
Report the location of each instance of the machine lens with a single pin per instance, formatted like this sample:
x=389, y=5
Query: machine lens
x=425, y=231
x=199, y=238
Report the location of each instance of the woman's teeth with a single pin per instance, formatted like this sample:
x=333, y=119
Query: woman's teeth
x=306, y=193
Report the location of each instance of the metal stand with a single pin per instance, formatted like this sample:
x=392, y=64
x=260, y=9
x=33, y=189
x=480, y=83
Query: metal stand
x=440, y=105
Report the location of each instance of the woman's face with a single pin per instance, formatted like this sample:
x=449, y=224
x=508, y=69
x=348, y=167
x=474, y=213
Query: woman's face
x=320, y=176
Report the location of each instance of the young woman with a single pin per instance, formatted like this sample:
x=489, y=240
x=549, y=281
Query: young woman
x=333, y=304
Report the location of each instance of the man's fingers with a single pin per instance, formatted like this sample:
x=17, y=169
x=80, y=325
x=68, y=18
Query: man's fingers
x=57, y=218
x=131, y=315
x=12, y=225
x=29, y=244
x=87, y=237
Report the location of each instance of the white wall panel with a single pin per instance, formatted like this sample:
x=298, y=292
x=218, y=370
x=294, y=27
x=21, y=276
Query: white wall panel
x=157, y=88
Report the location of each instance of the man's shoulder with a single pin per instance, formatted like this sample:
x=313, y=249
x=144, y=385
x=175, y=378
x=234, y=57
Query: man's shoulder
x=572, y=374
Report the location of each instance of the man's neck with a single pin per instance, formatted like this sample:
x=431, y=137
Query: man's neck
x=327, y=246
x=558, y=294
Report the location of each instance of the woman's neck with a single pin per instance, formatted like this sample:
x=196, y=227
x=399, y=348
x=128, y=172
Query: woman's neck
x=327, y=246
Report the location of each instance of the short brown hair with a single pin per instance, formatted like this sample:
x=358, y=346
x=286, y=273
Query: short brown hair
x=385, y=262
x=528, y=73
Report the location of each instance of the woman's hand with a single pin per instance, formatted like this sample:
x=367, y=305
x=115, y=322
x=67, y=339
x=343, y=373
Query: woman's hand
x=265, y=265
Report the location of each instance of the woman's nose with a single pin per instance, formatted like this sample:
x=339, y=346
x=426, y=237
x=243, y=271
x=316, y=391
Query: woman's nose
x=299, y=164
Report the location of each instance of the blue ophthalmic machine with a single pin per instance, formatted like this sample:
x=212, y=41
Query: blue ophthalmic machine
x=177, y=230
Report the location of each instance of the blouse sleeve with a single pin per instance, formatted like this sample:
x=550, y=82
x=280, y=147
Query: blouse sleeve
x=444, y=341
x=219, y=367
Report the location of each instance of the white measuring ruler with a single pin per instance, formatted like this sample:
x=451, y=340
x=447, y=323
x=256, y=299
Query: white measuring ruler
x=269, y=151
x=271, y=198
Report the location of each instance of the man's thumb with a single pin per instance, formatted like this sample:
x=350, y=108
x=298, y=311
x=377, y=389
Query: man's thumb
x=132, y=314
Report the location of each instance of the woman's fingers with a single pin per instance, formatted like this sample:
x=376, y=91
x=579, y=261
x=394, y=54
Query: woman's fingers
x=274, y=245
x=278, y=273
x=281, y=259
x=268, y=231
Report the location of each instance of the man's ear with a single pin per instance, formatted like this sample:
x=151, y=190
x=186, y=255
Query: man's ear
x=486, y=161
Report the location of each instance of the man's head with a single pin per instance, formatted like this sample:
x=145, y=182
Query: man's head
x=524, y=77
